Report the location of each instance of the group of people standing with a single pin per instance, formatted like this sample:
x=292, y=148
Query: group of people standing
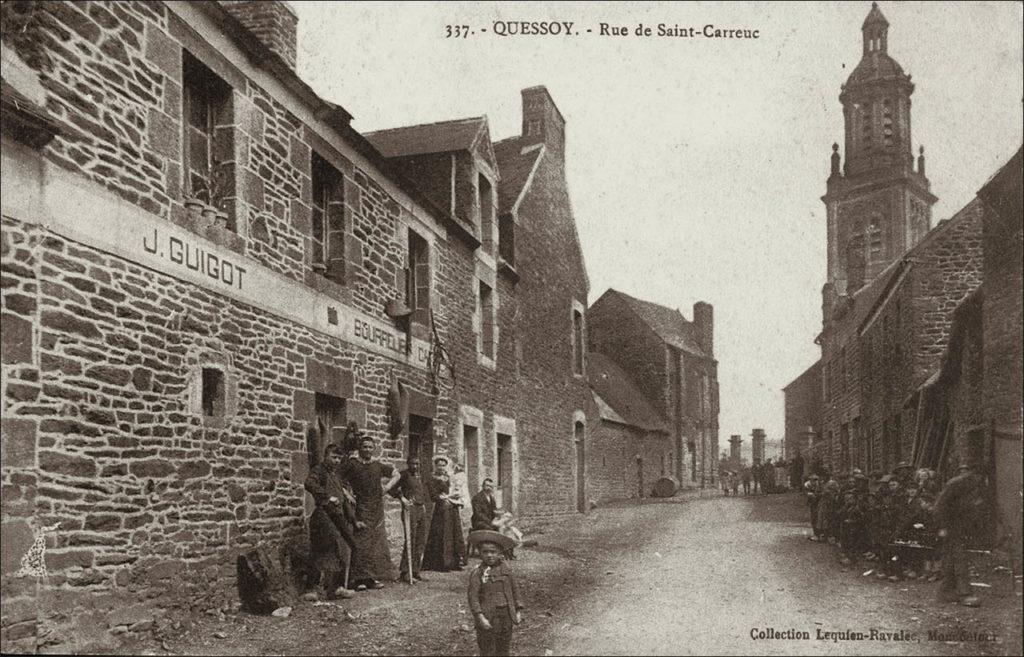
x=347, y=528
x=760, y=478
x=903, y=522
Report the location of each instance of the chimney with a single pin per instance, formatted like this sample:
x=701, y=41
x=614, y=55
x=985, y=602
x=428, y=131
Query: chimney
x=735, y=444
x=542, y=122
x=757, y=446
x=274, y=22
x=704, y=323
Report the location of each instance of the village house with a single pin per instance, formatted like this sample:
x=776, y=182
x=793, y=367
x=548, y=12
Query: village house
x=802, y=413
x=521, y=393
x=203, y=262
x=671, y=361
x=970, y=410
x=630, y=442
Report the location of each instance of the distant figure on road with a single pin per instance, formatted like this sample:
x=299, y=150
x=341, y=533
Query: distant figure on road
x=734, y=483
x=494, y=598
x=725, y=483
x=813, y=490
x=959, y=505
x=746, y=481
x=755, y=473
x=769, y=476
x=796, y=471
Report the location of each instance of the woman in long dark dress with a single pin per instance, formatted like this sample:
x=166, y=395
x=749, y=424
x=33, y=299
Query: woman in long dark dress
x=445, y=549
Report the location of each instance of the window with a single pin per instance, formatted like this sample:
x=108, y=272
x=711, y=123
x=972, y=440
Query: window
x=503, y=471
x=327, y=233
x=843, y=381
x=486, y=308
x=897, y=440
x=207, y=131
x=579, y=344
x=533, y=127
x=887, y=122
x=470, y=447
x=844, y=447
x=865, y=124
x=417, y=273
x=506, y=239
x=486, y=204
x=330, y=420
x=213, y=392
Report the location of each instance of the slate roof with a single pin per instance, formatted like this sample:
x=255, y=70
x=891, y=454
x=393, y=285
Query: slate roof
x=668, y=324
x=627, y=405
x=875, y=66
x=515, y=168
x=440, y=137
x=28, y=121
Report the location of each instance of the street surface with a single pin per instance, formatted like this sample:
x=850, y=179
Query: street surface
x=687, y=577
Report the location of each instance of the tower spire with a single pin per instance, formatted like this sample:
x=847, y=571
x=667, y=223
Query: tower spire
x=875, y=29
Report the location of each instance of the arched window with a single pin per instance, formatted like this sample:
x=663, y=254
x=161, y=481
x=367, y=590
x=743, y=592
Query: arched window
x=887, y=135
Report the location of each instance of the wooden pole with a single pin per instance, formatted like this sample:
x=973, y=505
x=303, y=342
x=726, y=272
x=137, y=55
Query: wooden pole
x=406, y=527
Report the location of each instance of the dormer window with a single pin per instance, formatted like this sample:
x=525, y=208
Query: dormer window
x=417, y=273
x=486, y=205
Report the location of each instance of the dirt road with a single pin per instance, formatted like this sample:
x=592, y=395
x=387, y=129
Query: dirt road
x=694, y=577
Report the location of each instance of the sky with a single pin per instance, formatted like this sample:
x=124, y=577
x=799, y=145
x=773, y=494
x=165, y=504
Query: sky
x=695, y=165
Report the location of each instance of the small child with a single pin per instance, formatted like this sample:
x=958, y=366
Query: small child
x=493, y=595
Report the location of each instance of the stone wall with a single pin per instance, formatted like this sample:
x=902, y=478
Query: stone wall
x=550, y=264
x=875, y=357
x=617, y=331
x=624, y=460
x=105, y=438
x=803, y=409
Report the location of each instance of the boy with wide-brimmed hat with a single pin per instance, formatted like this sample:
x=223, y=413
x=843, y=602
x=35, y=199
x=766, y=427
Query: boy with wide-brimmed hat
x=493, y=594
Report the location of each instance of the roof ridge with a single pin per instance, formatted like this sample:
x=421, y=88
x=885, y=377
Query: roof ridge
x=467, y=119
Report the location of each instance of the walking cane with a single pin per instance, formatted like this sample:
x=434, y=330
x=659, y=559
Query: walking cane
x=408, y=541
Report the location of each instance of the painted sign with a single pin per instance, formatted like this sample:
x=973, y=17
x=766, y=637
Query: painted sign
x=85, y=213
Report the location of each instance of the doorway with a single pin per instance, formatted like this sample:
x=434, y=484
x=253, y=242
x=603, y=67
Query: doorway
x=471, y=450
x=503, y=472
x=581, y=480
x=330, y=424
x=421, y=442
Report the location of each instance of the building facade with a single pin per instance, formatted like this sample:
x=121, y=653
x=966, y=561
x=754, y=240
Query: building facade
x=971, y=407
x=522, y=392
x=802, y=413
x=892, y=282
x=207, y=273
x=671, y=360
x=631, y=446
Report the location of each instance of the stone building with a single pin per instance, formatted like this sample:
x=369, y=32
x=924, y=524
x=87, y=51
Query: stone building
x=672, y=362
x=630, y=442
x=802, y=413
x=522, y=394
x=970, y=410
x=203, y=261
x=892, y=283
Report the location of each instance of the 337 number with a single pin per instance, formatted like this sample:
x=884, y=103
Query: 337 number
x=456, y=31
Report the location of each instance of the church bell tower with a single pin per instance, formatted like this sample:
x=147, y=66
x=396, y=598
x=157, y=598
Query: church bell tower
x=878, y=205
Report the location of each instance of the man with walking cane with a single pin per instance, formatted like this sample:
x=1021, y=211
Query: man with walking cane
x=332, y=522
x=413, y=495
